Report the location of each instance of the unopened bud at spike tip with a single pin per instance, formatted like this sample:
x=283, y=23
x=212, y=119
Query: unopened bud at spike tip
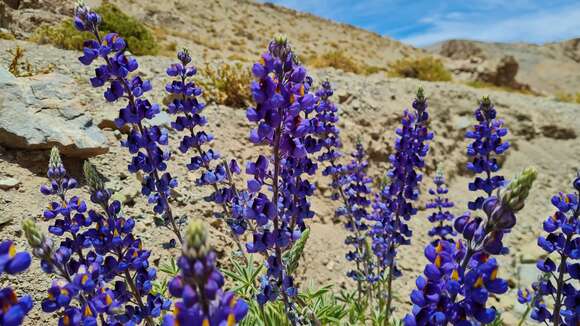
x=518, y=190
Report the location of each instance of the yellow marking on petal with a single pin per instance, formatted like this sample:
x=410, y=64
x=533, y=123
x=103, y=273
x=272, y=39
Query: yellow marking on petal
x=233, y=302
x=231, y=319
x=78, y=201
x=567, y=199
x=455, y=275
x=140, y=245
x=88, y=311
x=50, y=296
x=108, y=299
x=134, y=253
x=439, y=247
x=49, y=206
x=301, y=91
x=262, y=61
x=65, y=320
x=438, y=261
x=84, y=279
x=115, y=233
x=493, y=275
x=292, y=99
x=479, y=282
x=205, y=322
x=12, y=250
x=554, y=217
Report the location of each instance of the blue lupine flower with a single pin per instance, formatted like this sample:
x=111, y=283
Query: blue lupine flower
x=199, y=285
x=103, y=272
x=189, y=111
x=486, y=145
x=145, y=141
x=462, y=274
x=562, y=275
x=393, y=206
x=288, y=123
x=13, y=309
x=440, y=204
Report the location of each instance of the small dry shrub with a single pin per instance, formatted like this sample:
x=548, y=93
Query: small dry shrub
x=226, y=84
x=481, y=84
x=20, y=67
x=6, y=36
x=335, y=59
x=139, y=38
x=568, y=98
x=426, y=68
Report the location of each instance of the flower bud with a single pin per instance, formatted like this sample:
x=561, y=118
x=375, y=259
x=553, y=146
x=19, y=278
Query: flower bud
x=93, y=177
x=55, y=161
x=196, y=237
x=33, y=235
x=518, y=190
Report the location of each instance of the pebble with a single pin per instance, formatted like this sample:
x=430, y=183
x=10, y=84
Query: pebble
x=9, y=183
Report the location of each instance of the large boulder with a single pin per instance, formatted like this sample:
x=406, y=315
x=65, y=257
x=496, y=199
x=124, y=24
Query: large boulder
x=40, y=112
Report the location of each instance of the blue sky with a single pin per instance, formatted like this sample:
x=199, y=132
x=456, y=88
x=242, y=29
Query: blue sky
x=424, y=22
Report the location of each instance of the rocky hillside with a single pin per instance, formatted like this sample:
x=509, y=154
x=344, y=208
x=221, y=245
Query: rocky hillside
x=221, y=29
x=549, y=68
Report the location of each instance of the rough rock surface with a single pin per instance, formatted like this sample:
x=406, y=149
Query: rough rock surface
x=39, y=112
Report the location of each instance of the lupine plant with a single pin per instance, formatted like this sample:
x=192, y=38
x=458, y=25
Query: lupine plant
x=393, y=205
x=102, y=274
x=561, y=268
x=462, y=273
x=13, y=309
x=440, y=204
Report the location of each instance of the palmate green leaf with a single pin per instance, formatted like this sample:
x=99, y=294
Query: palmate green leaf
x=244, y=277
x=292, y=257
x=170, y=268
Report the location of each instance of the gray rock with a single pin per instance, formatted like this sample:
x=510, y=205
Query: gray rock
x=40, y=112
x=9, y=183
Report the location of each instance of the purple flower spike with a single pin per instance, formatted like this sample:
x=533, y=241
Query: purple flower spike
x=562, y=275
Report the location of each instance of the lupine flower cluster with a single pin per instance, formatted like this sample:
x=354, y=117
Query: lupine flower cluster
x=286, y=116
x=185, y=104
x=102, y=274
x=486, y=145
x=393, y=206
x=199, y=286
x=356, y=197
x=462, y=274
x=145, y=142
x=563, y=274
x=441, y=205
x=12, y=308
x=102, y=271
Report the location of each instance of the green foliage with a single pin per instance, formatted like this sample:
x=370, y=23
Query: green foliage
x=426, y=68
x=292, y=257
x=140, y=40
x=568, y=98
x=339, y=60
x=317, y=305
x=170, y=270
x=227, y=84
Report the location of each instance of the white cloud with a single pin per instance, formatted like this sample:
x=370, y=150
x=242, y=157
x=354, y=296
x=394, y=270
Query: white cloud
x=537, y=27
